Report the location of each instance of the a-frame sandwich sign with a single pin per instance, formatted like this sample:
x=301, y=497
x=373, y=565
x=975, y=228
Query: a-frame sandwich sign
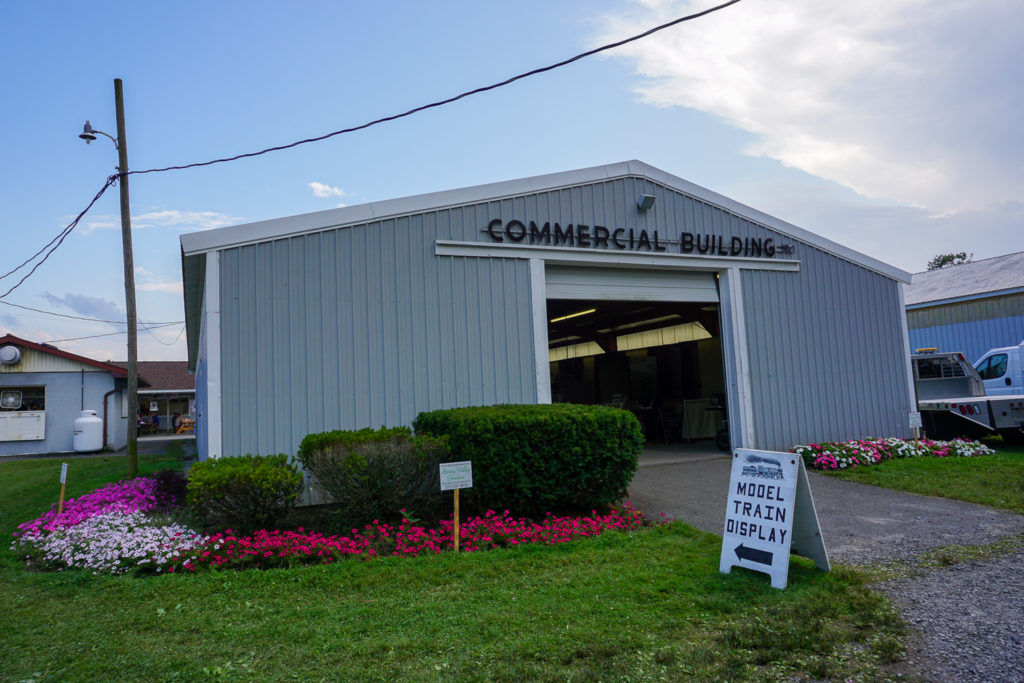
x=770, y=513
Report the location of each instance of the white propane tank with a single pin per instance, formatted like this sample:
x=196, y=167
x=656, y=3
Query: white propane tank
x=88, y=432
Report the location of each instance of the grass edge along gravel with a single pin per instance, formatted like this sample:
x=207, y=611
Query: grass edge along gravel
x=645, y=605
x=993, y=479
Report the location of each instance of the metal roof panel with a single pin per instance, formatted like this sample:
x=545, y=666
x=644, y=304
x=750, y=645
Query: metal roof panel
x=989, y=276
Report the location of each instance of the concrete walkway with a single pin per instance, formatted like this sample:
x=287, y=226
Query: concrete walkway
x=860, y=524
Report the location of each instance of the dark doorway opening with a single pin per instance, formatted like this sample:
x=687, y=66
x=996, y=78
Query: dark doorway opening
x=661, y=360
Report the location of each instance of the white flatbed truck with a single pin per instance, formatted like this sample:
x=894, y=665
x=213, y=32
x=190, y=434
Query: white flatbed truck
x=952, y=398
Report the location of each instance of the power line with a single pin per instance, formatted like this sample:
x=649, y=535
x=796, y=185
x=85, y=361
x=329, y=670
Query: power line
x=93, y=320
x=62, y=235
x=59, y=239
x=449, y=100
x=111, y=334
x=160, y=341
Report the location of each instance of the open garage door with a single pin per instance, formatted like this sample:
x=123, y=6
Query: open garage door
x=628, y=284
x=644, y=340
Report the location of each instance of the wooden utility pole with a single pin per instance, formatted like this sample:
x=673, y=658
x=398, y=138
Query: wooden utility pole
x=129, y=284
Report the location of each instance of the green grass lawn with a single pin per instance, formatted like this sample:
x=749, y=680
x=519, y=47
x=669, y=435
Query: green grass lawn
x=996, y=481
x=650, y=605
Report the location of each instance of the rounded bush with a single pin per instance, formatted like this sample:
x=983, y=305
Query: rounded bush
x=382, y=474
x=246, y=492
x=534, y=459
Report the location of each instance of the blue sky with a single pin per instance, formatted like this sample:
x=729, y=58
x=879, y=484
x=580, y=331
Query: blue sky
x=890, y=126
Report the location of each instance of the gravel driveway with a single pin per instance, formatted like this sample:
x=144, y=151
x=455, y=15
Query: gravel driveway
x=968, y=618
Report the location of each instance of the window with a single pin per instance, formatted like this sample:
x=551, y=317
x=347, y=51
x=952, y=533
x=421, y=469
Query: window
x=938, y=368
x=22, y=416
x=993, y=367
x=22, y=399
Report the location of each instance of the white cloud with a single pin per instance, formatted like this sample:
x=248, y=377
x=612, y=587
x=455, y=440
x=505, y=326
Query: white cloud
x=146, y=281
x=909, y=100
x=325, y=191
x=100, y=223
x=156, y=286
x=166, y=218
x=899, y=234
x=87, y=306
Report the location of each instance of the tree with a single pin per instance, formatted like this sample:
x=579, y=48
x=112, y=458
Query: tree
x=943, y=260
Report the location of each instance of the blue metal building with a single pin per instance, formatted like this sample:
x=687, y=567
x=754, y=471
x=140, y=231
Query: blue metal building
x=616, y=284
x=972, y=307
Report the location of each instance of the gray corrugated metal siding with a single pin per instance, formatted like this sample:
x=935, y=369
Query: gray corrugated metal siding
x=972, y=327
x=363, y=325
x=825, y=361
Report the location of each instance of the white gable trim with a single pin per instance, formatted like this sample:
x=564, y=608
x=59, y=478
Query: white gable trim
x=251, y=233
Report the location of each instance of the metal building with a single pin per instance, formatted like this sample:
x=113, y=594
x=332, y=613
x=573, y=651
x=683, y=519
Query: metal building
x=617, y=284
x=971, y=307
x=43, y=390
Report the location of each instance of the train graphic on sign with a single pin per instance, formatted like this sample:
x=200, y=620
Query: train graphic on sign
x=760, y=467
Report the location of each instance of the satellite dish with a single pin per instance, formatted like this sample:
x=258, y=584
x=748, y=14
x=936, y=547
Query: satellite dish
x=10, y=399
x=9, y=355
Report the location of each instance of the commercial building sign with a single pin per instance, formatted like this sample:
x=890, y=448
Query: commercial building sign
x=552, y=234
x=769, y=514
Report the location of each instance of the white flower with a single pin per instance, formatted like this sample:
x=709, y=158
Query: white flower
x=113, y=542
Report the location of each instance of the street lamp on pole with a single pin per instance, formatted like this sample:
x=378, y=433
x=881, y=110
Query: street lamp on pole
x=89, y=134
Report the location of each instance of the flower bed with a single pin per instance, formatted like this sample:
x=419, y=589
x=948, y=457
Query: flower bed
x=270, y=549
x=119, y=528
x=849, y=454
x=112, y=543
x=111, y=530
x=132, y=495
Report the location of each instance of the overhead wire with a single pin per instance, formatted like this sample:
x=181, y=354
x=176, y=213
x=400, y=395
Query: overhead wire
x=111, y=334
x=56, y=241
x=449, y=100
x=53, y=244
x=86, y=318
x=160, y=341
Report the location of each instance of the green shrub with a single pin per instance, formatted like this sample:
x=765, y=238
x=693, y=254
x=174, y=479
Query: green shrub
x=171, y=488
x=375, y=474
x=534, y=459
x=244, y=493
x=345, y=440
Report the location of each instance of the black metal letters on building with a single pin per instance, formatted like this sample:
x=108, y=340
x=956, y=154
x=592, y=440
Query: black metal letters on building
x=599, y=237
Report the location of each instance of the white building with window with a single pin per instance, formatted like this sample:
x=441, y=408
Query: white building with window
x=43, y=390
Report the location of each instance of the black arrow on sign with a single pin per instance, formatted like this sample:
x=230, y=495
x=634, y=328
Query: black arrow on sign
x=753, y=554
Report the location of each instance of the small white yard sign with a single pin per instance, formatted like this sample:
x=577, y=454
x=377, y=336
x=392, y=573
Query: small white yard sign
x=456, y=475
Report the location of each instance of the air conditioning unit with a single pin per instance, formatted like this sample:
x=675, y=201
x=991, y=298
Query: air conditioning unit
x=10, y=399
